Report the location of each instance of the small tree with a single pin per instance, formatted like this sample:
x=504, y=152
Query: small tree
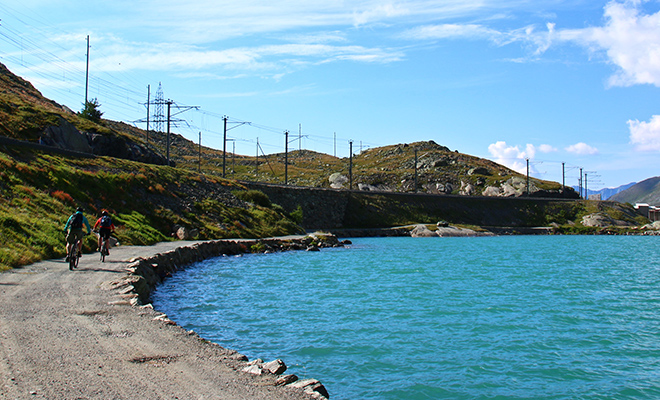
x=91, y=111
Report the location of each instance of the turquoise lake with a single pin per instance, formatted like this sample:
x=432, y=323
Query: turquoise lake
x=509, y=317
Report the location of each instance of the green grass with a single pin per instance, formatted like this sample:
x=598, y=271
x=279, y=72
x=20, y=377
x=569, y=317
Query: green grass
x=38, y=192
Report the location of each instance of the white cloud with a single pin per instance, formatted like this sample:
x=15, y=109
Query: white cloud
x=630, y=40
x=512, y=156
x=645, y=135
x=582, y=149
x=546, y=148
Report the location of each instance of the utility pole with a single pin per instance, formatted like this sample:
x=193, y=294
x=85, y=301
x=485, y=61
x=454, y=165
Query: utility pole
x=299, y=138
x=563, y=176
x=87, y=73
x=580, y=182
x=224, y=143
x=224, y=147
x=169, y=120
x=200, y=152
x=350, y=165
x=256, y=173
x=148, y=103
x=415, y=171
x=586, y=191
x=527, y=176
x=335, y=142
x=286, y=157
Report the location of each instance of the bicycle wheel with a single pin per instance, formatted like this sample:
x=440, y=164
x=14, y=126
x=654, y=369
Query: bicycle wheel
x=73, y=257
x=102, y=254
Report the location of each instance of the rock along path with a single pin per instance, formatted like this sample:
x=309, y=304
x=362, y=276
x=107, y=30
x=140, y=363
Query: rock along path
x=61, y=337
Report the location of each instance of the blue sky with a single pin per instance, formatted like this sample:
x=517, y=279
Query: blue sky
x=552, y=81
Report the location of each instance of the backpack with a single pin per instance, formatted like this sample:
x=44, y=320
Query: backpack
x=106, y=222
x=77, y=221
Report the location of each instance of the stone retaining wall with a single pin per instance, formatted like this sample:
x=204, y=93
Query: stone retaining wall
x=145, y=274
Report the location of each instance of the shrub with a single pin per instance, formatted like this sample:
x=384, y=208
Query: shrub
x=253, y=196
x=297, y=215
x=63, y=196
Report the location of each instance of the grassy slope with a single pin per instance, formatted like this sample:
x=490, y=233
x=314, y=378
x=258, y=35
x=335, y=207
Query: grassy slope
x=39, y=191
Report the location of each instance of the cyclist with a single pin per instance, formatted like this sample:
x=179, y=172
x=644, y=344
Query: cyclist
x=105, y=226
x=74, y=230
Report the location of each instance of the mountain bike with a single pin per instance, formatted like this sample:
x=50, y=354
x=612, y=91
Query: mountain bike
x=74, y=256
x=104, y=249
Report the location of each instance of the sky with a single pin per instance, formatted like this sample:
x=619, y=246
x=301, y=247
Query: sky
x=566, y=87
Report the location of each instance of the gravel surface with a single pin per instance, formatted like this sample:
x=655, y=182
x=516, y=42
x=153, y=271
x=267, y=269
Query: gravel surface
x=65, y=335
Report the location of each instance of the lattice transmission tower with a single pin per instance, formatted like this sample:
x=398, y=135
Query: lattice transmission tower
x=159, y=114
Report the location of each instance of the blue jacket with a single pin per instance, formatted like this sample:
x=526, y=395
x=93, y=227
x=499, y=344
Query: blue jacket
x=85, y=222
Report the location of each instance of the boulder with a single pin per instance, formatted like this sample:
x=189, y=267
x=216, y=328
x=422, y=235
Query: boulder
x=337, y=180
x=183, y=233
x=655, y=225
x=422, y=231
x=275, y=367
x=478, y=171
x=601, y=220
x=492, y=191
x=466, y=189
x=311, y=386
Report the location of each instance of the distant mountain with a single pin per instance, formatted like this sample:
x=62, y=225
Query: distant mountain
x=607, y=192
x=647, y=191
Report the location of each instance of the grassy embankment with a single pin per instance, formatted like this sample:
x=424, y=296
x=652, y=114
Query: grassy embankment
x=39, y=191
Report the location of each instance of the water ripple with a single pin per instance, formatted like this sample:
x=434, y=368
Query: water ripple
x=560, y=317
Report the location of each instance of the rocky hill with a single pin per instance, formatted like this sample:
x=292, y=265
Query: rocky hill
x=647, y=191
x=26, y=115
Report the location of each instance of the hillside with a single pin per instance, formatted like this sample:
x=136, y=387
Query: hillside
x=26, y=115
x=647, y=191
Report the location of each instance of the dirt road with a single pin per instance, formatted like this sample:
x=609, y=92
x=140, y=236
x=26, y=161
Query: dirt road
x=61, y=337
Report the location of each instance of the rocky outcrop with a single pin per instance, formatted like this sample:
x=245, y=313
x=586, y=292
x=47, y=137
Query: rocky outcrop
x=601, y=220
x=422, y=231
x=66, y=136
x=653, y=226
x=445, y=231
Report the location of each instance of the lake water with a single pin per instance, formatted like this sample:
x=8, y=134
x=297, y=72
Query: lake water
x=511, y=317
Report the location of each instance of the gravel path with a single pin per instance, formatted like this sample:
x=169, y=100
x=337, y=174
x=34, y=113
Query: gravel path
x=61, y=337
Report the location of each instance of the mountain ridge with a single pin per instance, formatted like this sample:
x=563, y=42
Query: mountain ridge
x=646, y=191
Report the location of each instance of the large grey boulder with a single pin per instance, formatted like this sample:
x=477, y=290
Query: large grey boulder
x=467, y=189
x=337, y=180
